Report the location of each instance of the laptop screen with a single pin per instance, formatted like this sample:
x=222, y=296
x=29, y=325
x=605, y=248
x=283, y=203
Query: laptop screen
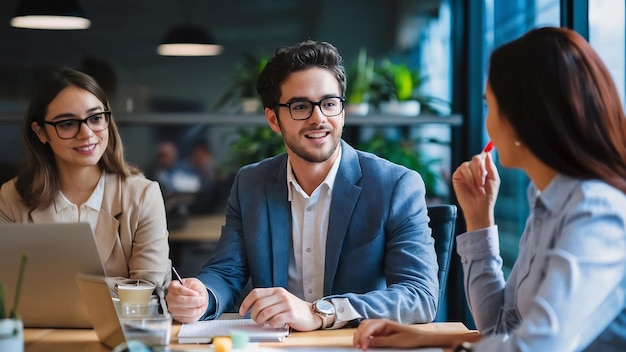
x=56, y=254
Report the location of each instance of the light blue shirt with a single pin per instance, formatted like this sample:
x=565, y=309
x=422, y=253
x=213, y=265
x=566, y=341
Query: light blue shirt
x=567, y=288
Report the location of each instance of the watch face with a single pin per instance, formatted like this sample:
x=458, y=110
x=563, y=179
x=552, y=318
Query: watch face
x=324, y=306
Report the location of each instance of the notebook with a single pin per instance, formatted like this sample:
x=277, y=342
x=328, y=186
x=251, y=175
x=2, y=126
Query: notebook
x=204, y=331
x=50, y=297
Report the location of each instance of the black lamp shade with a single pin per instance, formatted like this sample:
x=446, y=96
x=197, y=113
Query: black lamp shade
x=49, y=7
x=188, y=40
x=188, y=34
x=50, y=14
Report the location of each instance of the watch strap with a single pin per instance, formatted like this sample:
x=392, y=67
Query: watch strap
x=327, y=319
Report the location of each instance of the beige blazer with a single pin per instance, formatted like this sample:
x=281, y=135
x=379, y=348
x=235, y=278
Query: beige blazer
x=131, y=232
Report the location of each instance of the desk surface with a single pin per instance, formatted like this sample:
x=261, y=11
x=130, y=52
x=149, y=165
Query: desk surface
x=75, y=340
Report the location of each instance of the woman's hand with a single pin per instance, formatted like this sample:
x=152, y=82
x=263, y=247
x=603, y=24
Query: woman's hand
x=386, y=333
x=476, y=184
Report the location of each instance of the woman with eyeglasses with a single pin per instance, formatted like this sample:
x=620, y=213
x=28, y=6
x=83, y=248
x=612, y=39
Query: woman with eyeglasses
x=75, y=172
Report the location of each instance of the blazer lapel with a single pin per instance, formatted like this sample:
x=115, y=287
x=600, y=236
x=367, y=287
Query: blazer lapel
x=43, y=215
x=279, y=210
x=345, y=196
x=108, y=226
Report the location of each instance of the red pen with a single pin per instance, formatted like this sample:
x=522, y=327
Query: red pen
x=488, y=147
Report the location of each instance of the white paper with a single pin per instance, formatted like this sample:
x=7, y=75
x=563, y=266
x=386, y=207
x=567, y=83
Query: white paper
x=204, y=331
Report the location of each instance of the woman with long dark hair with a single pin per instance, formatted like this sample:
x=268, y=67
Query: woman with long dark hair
x=555, y=113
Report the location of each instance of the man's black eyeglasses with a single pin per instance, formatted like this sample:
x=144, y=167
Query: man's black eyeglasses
x=303, y=109
x=68, y=129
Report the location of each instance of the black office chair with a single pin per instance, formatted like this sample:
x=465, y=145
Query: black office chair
x=442, y=223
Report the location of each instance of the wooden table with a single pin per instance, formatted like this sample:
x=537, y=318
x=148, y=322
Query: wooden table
x=81, y=340
x=200, y=228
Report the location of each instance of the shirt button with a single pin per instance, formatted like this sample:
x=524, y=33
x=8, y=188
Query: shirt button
x=537, y=222
x=308, y=250
x=340, y=310
x=310, y=291
x=463, y=260
x=308, y=209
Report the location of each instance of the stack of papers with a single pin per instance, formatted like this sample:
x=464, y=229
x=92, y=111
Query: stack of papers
x=204, y=331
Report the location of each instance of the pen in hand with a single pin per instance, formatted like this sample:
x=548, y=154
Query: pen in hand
x=178, y=276
x=488, y=147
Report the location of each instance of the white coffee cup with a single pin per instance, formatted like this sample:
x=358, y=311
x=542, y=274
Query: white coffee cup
x=134, y=291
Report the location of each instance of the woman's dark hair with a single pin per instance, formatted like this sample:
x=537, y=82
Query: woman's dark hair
x=296, y=58
x=559, y=97
x=38, y=182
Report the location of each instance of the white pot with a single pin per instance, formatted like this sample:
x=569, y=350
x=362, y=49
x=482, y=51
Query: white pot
x=403, y=108
x=11, y=335
x=358, y=109
x=250, y=105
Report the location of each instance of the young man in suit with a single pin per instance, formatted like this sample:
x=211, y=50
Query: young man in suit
x=327, y=235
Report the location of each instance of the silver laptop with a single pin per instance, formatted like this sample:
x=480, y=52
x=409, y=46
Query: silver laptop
x=96, y=291
x=56, y=254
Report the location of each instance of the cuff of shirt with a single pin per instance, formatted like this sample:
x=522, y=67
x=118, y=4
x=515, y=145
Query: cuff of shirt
x=344, y=313
x=479, y=244
x=211, y=308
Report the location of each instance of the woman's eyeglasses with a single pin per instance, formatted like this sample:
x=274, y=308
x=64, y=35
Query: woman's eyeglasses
x=68, y=129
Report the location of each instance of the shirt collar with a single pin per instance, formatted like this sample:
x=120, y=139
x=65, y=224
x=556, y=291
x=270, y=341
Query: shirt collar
x=94, y=202
x=329, y=181
x=553, y=197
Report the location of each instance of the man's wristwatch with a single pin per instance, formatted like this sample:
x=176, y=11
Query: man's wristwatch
x=325, y=310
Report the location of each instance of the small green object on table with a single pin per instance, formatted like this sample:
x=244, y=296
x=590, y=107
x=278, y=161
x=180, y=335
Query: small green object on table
x=240, y=339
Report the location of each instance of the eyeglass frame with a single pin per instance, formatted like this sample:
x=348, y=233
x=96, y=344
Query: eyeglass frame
x=342, y=100
x=106, y=113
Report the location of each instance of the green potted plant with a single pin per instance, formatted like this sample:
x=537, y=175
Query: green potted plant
x=243, y=84
x=397, y=88
x=252, y=144
x=360, y=75
x=11, y=327
x=403, y=153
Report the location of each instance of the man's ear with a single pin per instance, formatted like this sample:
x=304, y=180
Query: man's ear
x=40, y=132
x=272, y=120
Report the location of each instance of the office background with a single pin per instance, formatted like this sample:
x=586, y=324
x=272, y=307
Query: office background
x=448, y=40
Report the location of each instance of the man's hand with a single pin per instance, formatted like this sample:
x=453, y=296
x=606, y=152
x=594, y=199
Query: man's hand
x=187, y=303
x=276, y=307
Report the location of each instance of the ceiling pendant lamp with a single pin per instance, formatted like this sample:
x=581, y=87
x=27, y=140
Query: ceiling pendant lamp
x=188, y=40
x=49, y=14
